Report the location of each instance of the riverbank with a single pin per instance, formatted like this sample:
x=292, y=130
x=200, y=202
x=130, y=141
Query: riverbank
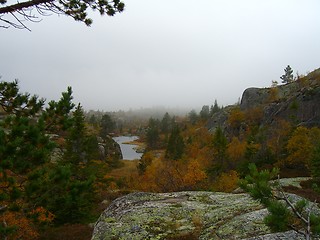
x=131, y=147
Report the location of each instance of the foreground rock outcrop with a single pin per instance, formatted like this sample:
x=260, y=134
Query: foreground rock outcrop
x=185, y=215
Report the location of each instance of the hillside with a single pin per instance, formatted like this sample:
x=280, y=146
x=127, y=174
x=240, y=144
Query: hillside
x=271, y=127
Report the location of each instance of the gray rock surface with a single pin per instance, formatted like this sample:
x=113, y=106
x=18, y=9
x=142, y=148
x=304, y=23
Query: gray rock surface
x=185, y=215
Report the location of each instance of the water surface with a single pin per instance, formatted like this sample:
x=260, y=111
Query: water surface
x=127, y=150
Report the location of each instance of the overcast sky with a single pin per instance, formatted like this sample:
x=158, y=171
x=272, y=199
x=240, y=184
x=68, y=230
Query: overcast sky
x=172, y=53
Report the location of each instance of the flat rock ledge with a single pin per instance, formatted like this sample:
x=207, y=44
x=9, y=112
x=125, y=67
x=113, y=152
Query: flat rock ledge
x=185, y=215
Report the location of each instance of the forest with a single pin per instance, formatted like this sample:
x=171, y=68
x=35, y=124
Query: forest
x=60, y=168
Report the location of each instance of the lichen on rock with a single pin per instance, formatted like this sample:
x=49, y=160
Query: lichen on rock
x=184, y=215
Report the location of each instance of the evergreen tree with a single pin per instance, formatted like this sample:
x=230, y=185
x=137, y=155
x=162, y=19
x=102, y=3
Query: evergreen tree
x=214, y=108
x=287, y=77
x=24, y=146
x=58, y=114
x=153, y=133
x=220, y=143
x=56, y=188
x=315, y=164
x=283, y=215
x=93, y=120
x=205, y=112
x=76, y=138
x=193, y=117
x=107, y=125
x=166, y=123
x=176, y=146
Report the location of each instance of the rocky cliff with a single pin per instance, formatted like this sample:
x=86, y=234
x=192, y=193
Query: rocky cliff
x=186, y=215
x=297, y=102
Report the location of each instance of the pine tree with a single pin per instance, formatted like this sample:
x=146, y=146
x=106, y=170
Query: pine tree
x=107, y=125
x=287, y=77
x=57, y=114
x=220, y=144
x=153, y=133
x=284, y=214
x=214, y=108
x=76, y=138
x=24, y=146
x=205, y=112
x=176, y=146
x=166, y=123
x=315, y=163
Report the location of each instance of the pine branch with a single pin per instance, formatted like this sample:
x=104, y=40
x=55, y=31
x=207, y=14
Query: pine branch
x=22, y=5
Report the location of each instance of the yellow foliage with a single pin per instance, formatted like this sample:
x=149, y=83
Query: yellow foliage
x=194, y=174
x=273, y=94
x=253, y=116
x=227, y=182
x=301, y=144
x=279, y=134
x=236, y=117
x=236, y=149
x=165, y=176
x=112, y=186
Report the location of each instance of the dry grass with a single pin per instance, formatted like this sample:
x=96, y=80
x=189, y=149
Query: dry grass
x=128, y=168
x=68, y=232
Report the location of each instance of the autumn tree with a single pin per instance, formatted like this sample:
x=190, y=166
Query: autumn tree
x=287, y=77
x=144, y=162
x=226, y=181
x=236, y=119
x=301, y=146
x=236, y=151
x=273, y=92
x=77, y=9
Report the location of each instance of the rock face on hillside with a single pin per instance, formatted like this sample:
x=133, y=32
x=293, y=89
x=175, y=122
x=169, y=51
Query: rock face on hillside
x=298, y=101
x=185, y=215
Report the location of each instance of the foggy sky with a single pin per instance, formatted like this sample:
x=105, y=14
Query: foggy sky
x=172, y=53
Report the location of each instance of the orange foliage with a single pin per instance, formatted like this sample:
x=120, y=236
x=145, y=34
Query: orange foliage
x=227, y=182
x=166, y=176
x=279, y=134
x=194, y=174
x=300, y=146
x=236, y=117
x=236, y=149
x=24, y=227
x=253, y=116
x=42, y=215
x=273, y=94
